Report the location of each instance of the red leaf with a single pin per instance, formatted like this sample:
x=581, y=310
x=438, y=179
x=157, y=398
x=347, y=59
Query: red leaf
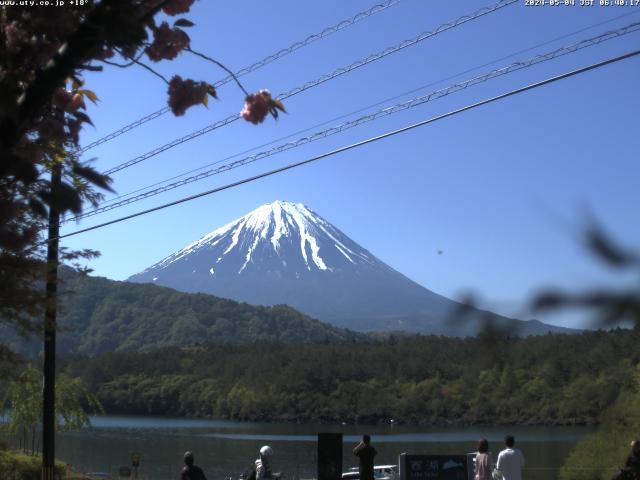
x=183, y=22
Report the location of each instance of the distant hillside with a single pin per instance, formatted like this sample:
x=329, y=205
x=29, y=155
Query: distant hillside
x=100, y=315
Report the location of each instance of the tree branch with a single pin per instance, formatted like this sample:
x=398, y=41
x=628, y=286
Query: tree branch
x=201, y=55
x=138, y=62
x=152, y=11
x=81, y=46
x=126, y=65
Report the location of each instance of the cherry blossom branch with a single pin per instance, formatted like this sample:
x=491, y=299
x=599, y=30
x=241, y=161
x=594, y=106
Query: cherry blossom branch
x=153, y=10
x=125, y=65
x=201, y=55
x=138, y=62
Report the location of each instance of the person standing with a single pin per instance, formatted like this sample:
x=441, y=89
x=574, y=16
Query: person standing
x=365, y=453
x=191, y=471
x=510, y=460
x=631, y=468
x=633, y=460
x=263, y=463
x=484, y=464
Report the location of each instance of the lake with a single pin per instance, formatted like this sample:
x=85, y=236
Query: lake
x=227, y=448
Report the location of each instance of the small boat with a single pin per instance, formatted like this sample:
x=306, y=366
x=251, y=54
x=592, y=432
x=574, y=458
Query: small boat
x=380, y=472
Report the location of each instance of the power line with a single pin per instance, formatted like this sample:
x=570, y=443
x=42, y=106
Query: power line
x=359, y=144
x=537, y=59
x=318, y=81
x=396, y=48
x=309, y=40
x=362, y=109
x=255, y=66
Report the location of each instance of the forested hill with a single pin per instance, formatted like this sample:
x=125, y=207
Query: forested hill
x=552, y=379
x=99, y=315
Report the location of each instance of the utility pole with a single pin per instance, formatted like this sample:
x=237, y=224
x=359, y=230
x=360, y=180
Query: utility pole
x=50, y=314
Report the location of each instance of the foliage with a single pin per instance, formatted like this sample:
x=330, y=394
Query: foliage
x=43, y=56
x=421, y=380
x=23, y=403
x=598, y=456
x=610, y=306
x=44, y=53
x=18, y=466
x=23, y=400
x=99, y=315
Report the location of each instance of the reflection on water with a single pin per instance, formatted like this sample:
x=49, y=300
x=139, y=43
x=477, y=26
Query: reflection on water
x=227, y=448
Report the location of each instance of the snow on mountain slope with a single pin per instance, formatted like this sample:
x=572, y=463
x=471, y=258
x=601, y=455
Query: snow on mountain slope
x=284, y=253
x=282, y=226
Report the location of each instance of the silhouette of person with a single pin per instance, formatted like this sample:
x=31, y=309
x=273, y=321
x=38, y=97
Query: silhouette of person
x=365, y=452
x=191, y=471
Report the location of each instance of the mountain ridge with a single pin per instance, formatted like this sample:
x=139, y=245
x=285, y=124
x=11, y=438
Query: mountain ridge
x=285, y=253
x=100, y=315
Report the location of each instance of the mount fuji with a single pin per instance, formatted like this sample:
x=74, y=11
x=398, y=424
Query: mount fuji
x=284, y=253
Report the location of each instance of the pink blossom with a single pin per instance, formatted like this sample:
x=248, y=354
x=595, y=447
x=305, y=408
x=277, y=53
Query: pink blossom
x=185, y=93
x=167, y=43
x=256, y=107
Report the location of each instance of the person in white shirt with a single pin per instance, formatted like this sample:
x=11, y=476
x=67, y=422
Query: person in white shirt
x=510, y=460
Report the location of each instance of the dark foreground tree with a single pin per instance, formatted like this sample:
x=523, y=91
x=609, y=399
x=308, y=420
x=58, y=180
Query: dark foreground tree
x=43, y=54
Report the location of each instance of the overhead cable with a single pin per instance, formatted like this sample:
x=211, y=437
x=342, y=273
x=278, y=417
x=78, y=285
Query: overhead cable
x=318, y=81
x=255, y=66
x=357, y=144
x=516, y=66
x=362, y=109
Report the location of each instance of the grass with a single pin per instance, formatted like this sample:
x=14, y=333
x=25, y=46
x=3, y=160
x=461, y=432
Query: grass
x=19, y=466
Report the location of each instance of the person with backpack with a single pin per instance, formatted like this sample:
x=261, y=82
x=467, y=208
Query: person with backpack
x=191, y=471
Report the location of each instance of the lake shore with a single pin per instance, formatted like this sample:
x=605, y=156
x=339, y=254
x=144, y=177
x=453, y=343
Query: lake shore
x=226, y=448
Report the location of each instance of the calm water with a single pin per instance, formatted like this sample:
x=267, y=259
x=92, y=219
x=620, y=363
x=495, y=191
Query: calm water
x=226, y=448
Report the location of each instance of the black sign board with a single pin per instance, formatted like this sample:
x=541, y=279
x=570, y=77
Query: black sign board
x=125, y=472
x=433, y=467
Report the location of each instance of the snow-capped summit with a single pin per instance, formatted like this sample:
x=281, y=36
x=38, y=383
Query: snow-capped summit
x=281, y=235
x=285, y=253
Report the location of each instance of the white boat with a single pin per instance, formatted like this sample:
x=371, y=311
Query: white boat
x=380, y=472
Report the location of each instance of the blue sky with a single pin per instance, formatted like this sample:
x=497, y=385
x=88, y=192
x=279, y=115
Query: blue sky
x=503, y=190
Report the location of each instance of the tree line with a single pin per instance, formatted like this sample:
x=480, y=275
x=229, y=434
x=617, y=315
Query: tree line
x=552, y=379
